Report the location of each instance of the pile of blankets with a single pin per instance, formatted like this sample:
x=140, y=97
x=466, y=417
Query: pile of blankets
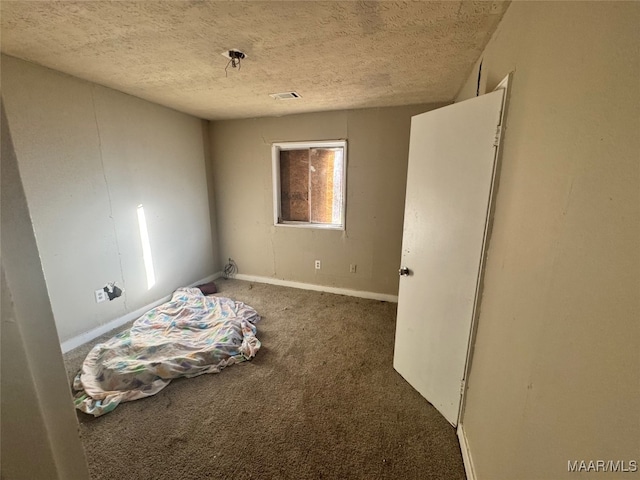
x=190, y=335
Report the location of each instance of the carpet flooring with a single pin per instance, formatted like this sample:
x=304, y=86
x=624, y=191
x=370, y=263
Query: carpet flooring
x=321, y=400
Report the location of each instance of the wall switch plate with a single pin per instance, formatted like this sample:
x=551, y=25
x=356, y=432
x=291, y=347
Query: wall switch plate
x=352, y=268
x=101, y=295
x=317, y=264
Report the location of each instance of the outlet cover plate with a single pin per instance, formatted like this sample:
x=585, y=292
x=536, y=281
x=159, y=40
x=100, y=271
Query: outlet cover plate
x=101, y=295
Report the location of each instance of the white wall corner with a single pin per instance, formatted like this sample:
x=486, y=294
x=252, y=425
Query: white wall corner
x=466, y=454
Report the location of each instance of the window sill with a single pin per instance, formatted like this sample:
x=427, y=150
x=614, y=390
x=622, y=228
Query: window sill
x=312, y=226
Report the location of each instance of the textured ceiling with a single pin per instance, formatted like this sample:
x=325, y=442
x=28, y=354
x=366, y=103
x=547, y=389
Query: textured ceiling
x=337, y=55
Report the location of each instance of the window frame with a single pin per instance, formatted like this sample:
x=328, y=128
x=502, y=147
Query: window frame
x=276, y=148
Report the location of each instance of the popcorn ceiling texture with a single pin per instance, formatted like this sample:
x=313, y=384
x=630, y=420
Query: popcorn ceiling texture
x=337, y=55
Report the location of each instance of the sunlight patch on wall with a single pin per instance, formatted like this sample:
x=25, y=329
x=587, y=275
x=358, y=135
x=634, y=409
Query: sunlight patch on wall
x=146, y=248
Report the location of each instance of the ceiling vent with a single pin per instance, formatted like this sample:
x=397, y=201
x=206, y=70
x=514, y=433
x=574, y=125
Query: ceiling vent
x=285, y=95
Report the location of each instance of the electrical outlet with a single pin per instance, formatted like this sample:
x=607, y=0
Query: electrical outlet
x=101, y=295
x=317, y=264
x=352, y=268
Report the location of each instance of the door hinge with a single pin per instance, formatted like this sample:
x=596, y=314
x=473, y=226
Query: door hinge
x=462, y=384
x=496, y=140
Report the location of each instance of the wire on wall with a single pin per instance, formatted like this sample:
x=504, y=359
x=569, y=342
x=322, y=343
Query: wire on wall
x=230, y=269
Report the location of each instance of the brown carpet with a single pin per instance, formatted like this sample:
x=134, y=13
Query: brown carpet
x=320, y=401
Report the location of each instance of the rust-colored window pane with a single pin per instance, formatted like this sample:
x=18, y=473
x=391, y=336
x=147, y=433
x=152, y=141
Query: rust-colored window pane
x=311, y=185
x=321, y=173
x=294, y=185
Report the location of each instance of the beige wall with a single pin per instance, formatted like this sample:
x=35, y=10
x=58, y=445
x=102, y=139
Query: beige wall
x=555, y=372
x=88, y=156
x=39, y=428
x=378, y=143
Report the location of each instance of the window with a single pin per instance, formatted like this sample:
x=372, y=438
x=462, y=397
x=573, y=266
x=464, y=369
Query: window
x=309, y=184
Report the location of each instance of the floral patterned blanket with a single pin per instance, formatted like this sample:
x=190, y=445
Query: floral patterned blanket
x=190, y=335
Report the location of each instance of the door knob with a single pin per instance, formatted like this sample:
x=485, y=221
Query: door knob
x=404, y=272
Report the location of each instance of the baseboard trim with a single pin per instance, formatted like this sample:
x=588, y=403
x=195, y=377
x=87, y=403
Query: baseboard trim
x=319, y=288
x=466, y=454
x=85, y=337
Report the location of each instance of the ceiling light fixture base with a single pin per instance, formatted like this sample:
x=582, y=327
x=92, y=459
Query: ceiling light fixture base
x=234, y=54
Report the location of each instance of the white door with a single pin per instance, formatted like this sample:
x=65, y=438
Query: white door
x=449, y=181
